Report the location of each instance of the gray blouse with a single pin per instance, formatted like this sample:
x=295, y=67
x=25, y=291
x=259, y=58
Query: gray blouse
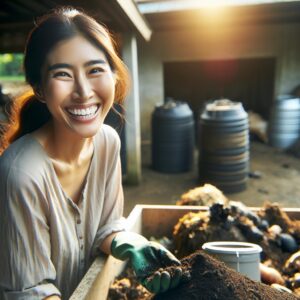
x=47, y=241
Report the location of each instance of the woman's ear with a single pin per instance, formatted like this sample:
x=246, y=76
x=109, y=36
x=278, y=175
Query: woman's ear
x=39, y=94
x=115, y=77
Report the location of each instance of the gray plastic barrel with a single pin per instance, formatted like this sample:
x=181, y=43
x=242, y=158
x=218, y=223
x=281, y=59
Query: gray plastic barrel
x=172, y=137
x=284, y=123
x=224, y=145
x=240, y=256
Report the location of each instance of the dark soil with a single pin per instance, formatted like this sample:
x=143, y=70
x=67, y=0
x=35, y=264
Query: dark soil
x=213, y=280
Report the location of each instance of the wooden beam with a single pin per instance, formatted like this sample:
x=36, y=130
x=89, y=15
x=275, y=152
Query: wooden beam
x=134, y=17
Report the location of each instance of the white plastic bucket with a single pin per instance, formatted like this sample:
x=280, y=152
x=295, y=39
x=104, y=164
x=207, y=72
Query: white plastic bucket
x=240, y=256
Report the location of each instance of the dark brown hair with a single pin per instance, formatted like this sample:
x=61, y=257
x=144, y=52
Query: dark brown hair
x=28, y=113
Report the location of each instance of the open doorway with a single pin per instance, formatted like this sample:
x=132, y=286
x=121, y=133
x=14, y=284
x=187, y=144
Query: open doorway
x=250, y=81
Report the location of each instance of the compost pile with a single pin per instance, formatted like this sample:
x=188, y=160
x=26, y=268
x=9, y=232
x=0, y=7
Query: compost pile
x=126, y=287
x=271, y=228
x=205, y=195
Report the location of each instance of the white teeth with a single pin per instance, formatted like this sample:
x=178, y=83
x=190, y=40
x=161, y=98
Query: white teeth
x=83, y=112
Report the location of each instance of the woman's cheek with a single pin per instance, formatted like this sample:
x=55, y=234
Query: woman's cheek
x=59, y=89
x=105, y=86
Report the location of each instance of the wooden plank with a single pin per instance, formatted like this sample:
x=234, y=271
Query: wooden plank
x=88, y=280
x=159, y=220
x=99, y=290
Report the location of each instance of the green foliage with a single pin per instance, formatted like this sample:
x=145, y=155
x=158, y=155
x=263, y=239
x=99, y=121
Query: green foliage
x=11, y=64
x=19, y=78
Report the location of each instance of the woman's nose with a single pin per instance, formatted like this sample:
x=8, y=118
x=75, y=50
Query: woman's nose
x=83, y=90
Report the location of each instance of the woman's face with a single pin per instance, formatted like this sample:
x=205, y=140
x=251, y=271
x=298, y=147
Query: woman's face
x=78, y=87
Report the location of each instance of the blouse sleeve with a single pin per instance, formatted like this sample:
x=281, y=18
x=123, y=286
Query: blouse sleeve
x=111, y=220
x=25, y=253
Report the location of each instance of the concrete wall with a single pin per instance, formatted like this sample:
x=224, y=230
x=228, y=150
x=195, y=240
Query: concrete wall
x=230, y=42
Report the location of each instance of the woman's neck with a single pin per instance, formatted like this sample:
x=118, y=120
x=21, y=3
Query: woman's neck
x=67, y=148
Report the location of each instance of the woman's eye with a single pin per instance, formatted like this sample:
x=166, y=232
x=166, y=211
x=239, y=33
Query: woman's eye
x=96, y=70
x=61, y=74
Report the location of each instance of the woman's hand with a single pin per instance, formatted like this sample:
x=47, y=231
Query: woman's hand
x=148, y=260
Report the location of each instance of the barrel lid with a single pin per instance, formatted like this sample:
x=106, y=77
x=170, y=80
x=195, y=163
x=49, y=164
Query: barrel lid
x=232, y=247
x=284, y=97
x=287, y=102
x=224, y=110
x=173, y=109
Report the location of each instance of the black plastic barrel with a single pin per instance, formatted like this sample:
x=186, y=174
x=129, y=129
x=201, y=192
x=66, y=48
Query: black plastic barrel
x=284, y=123
x=172, y=137
x=224, y=145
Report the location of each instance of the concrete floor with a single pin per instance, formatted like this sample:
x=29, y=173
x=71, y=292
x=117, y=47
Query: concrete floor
x=279, y=182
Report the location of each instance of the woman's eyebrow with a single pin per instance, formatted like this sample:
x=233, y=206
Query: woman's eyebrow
x=95, y=62
x=59, y=66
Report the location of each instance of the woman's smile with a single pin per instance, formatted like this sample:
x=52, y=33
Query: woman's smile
x=83, y=114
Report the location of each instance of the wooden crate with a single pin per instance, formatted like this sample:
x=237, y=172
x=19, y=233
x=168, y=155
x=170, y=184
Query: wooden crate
x=149, y=220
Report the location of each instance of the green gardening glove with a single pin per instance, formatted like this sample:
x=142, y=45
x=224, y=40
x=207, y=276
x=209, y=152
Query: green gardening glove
x=146, y=259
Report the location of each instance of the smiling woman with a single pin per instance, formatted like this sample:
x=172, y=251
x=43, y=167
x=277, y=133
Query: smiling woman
x=61, y=193
x=40, y=43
